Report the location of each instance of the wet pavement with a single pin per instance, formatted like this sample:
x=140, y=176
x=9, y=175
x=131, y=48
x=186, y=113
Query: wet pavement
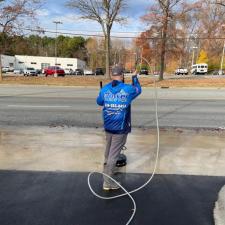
x=189, y=152
x=43, y=177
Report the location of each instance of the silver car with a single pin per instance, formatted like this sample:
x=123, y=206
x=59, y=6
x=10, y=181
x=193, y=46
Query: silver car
x=30, y=72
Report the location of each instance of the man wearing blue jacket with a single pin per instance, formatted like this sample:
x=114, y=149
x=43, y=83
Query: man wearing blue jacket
x=116, y=98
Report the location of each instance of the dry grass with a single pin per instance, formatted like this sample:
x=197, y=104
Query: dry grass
x=94, y=81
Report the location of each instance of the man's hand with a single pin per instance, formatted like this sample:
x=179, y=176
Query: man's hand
x=134, y=77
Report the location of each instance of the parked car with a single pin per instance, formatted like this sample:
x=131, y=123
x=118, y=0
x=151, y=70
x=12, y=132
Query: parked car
x=217, y=72
x=51, y=70
x=99, y=71
x=156, y=73
x=39, y=71
x=88, y=72
x=181, y=71
x=201, y=68
x=127, y=71
x=30, y=71
x=7, y=69
x=143, y=72
x=79, y=72
x=68, y=71
x=18, y=71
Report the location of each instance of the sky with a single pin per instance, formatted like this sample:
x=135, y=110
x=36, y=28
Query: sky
x=55, y=10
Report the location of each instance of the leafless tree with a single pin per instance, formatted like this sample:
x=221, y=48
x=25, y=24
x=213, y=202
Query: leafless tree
x=164, y=14
x=105, y=12
x=13, y=15
x=209, y=24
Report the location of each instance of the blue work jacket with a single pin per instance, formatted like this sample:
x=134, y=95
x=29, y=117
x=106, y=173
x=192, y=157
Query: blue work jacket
x=116, y=98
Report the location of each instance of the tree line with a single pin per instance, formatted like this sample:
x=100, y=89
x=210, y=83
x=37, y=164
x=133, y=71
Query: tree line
x=36, y=45
x=90, y=50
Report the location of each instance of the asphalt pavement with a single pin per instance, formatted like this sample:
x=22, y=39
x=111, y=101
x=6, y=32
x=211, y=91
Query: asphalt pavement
x=59, y=198
x=60, y=106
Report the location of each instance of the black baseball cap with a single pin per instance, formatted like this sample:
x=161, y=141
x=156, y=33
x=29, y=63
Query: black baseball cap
x=117, y=70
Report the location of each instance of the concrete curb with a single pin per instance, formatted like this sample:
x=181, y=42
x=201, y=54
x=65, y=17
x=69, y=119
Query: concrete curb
x=219, y=210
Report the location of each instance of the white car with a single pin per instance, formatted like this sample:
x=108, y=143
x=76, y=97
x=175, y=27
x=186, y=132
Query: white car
x=18, y=71
x=181, y=71
x=88, y=72
x=68, y=71
x=7, y=69
x=30, y=72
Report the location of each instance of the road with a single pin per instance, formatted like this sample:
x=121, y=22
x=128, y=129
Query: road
x=69, y=106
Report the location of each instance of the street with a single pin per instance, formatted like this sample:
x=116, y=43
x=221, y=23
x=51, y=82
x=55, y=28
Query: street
x=61, y=106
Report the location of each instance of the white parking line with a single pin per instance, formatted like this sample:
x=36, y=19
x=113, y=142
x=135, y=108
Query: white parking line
x=39, y=106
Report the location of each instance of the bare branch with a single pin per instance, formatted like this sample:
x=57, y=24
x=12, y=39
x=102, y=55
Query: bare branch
x=15, y=13
x=162, y=4
x=115, y=10
x=219, y=2
x=174, y=3
x=105, y=12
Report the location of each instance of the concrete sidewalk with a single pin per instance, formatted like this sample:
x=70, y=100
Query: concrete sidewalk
x=187, y=152
x=219, y=211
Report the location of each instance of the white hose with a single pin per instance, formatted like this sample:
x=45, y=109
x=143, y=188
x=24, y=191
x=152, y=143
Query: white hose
x=128, y=193
x=118, y=196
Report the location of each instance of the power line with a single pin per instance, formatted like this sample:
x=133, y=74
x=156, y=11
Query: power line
x=76, y=34
x=115, y=36
x=99, y=31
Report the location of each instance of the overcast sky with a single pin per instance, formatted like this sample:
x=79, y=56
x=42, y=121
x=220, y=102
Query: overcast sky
x=56, y=10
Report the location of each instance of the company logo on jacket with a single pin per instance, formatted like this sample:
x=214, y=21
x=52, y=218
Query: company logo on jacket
x=117, y=97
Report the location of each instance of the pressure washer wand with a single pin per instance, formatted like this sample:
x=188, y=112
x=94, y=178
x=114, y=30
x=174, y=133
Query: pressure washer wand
x=100, y=84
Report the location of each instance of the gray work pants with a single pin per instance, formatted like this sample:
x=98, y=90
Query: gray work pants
x=114, y=145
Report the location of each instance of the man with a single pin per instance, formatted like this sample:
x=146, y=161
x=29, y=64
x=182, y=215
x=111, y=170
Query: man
x=116, y=98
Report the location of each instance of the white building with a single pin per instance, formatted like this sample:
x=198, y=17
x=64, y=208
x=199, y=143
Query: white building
x=39, y=62
x=8, y=61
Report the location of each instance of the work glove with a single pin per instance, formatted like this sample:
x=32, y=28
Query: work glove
x=134, y=78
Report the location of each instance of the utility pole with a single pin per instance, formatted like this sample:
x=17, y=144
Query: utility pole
x=222, y=60
x=1, y=78
x=192, y=44
x=56, y=36
x=193, y=55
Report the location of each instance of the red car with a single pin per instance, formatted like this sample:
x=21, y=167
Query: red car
x=51, y=70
